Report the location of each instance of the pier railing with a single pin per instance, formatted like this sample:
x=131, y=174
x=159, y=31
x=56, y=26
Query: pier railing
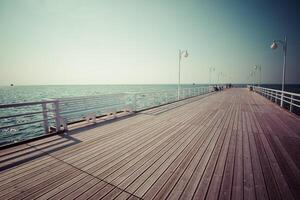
x=285, y=99
x=21, y=121
x=76, y=109
x=29, y=117
x=145, y=100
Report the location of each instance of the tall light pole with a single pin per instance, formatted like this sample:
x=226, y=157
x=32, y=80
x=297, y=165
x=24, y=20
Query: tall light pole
x=274, y=45
x=211, y=69
x=258, y=67
x=185, y=54
x=220, y=74
x=252, y=73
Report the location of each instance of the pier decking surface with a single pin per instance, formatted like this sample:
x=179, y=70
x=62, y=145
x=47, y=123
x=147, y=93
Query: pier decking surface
x=233, y=144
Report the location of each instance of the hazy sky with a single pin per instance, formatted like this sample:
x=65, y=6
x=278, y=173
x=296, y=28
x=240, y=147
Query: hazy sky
x=137, y=41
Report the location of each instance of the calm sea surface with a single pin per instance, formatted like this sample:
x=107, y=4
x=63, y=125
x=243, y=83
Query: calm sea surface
x=36, y=93
x=18, y=94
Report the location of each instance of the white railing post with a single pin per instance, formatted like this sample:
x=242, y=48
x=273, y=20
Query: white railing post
x=134, y=102
x=291, y=104
x=166, y=97
x=45, y=117
x=57, y=115
x=183, y=93
x=279, y=97
x=281, y=103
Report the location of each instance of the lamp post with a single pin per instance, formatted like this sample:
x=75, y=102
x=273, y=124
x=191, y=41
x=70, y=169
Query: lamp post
x=258, y=67
x=274, y=46
x=211, y=69
x=252, y=73
x=220, y=74
x=185, y=54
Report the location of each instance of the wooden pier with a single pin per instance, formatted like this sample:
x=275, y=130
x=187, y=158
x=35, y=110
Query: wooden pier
x=233, y=144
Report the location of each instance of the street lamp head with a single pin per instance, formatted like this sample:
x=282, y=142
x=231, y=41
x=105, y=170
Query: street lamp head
x=274, y=45
x=186, y=54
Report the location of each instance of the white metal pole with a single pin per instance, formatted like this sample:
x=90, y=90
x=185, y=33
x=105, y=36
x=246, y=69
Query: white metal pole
x=257, y=79
x=260, y=76
x=283, y=69
x=45, y=118
x=210, y=76
x=220, y=74
x=57, y=115
x=178, y=87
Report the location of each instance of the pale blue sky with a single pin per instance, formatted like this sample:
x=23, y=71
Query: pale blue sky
x=137, y=42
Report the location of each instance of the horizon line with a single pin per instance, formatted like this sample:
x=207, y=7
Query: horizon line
x=88, y=84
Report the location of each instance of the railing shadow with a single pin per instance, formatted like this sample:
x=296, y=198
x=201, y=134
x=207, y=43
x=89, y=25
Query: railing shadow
x=36, y=151
x=104, y=122
x=45, y=147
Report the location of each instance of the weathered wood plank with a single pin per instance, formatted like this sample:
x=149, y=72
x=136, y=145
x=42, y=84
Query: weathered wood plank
x=237, y=185
x=260, y=185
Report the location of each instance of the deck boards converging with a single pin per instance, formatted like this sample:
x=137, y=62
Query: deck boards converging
x=233, y=144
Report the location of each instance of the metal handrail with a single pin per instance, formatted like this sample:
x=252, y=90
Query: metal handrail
x=13, y=105
x=24, y=114
x=274, y=90
x=166, y=95
x=19, y=117
x=290, y=98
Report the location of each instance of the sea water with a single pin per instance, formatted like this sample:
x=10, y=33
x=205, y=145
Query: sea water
x=18, y=94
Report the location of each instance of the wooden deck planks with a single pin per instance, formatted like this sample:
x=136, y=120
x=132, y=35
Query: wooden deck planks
x=249, y=190
x=209, y=173
x=237, y=185
x=229, y=145
x=259, y=182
